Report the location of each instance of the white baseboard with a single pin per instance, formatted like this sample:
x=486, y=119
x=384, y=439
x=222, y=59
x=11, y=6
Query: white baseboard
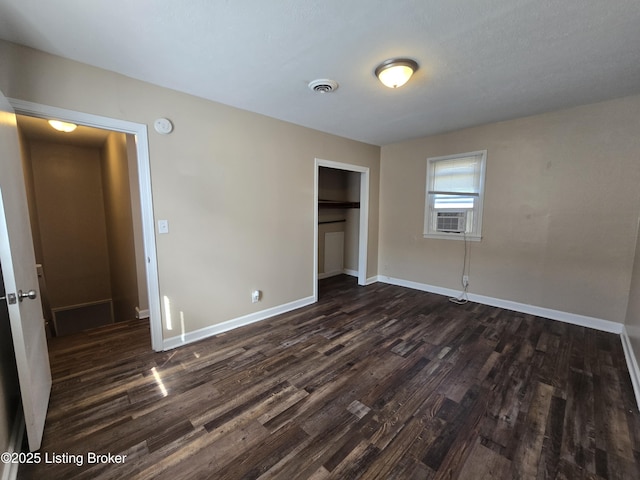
x=351, y=273
x=573, y=318
x=632, y=364
x=322, y=276
x=346, y=271
x=174, y=342
x=10, y=470
x=371, y=280
x=142, y=313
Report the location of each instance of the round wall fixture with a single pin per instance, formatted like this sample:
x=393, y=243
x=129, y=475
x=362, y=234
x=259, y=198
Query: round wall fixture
x=323, y=85
x=163, y=126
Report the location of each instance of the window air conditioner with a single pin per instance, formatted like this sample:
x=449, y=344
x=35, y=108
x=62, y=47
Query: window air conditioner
x=451, y=222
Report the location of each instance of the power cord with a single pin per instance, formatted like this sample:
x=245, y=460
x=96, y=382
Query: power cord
x=463, y=297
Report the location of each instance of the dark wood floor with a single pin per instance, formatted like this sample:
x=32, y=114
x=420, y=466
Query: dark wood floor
x=377, y=382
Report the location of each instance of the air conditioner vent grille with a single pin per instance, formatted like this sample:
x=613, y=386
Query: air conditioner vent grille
x=451, y=222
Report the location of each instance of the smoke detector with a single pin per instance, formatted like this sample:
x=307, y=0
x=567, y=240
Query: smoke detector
x=323, y=85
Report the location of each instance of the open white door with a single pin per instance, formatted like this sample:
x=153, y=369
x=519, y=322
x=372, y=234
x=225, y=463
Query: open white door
x=18, y=265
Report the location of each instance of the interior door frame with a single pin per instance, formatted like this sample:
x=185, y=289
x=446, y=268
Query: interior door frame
x=139, y=131
x=363, y=234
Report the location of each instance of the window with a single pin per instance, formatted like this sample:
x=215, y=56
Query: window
x=455, y=188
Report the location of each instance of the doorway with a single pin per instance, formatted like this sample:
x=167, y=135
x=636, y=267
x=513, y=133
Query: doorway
x=85, y=227
x=341, y=222
x=135, y=136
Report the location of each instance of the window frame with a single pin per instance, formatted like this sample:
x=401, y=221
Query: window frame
x=475, y=234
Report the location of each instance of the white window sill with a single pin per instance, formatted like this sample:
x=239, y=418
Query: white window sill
x=472, y=237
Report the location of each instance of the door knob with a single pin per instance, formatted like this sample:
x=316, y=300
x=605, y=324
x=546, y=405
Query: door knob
x=32, y=294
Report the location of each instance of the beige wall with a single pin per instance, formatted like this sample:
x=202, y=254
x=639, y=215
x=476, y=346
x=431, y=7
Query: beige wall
x=236, y=187
x=119, y=227
x=561, y=208
x=67, y=181
x=27, y=167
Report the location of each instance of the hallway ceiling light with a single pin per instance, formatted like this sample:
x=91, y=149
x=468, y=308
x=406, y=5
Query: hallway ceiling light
x=65, y=127
x=395, y=72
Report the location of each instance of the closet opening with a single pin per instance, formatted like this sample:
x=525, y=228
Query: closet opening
x=341, y=226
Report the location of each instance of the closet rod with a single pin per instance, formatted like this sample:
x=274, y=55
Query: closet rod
x=332, y=221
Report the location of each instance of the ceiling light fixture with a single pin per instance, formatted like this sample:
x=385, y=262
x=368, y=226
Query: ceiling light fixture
x=395, y=72
x=65, y=127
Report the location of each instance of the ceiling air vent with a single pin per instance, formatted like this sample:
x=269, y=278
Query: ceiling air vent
x=323, y=85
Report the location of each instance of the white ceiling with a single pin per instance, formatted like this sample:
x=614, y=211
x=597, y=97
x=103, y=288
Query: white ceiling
x=480, y=60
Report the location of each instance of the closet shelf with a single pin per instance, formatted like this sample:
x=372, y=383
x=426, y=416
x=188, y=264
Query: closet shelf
x=337, y=204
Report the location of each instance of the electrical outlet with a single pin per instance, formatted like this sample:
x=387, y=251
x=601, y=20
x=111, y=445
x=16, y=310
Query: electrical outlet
x=465, y=280
x=255, y=296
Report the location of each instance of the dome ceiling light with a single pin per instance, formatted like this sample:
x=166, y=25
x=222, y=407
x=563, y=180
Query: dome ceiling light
x=395, y=72
x=65, y=127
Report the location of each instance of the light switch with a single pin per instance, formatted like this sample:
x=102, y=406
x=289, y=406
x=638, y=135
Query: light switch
x=163, y=226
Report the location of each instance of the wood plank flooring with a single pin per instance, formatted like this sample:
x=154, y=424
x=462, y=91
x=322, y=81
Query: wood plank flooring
x=376, y=382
